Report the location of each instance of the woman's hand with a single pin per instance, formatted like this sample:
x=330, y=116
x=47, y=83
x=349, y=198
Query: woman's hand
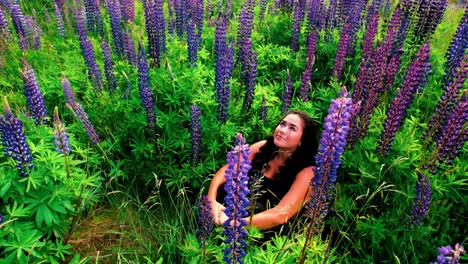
x=217, y=211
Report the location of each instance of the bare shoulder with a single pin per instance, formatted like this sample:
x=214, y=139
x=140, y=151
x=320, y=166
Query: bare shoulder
x=255, y=148
x=306, y=174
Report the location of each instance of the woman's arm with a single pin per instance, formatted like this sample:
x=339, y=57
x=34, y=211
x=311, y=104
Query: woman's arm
x=217, y=209
x=291, y=203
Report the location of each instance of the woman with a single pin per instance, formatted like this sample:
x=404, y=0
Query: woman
x=284, y=163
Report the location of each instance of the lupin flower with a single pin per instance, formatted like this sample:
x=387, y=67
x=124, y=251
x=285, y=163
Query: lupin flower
x=328, y=158
x=129, y=48
x=192, y=43
x=307, y=74
x=61, y=141
x=128, y=10
x=195, y=131
x=93, y=16
x=458, y=46
x=146, y=95
x=454, y=135
x=264, y=110
x=78, y=111
x=263, y=5
x=115, y=15
x=94, y=73
x=59, y=19
x=287, y=94
x=19, y=23
x=341, y=51
x=296, y=26
x=236, y=200
x=448, y=255
x=223, y=70
x=155, y=30
x=181, y=11
x=250, y=77
x=33, y=94
x=244, y=32
x=430, y=15
x=4, y=29
x=204, y=219
x=368, y=42
x=108, y=66
x=422, y=200
x=404, y=98
x=315, y=14
x=14, y=141
x=447, y=101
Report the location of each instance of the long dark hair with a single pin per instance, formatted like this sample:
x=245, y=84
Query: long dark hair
x=302, y=157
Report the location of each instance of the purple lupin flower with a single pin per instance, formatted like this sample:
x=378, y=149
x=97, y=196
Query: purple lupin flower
x=33, y=94
x=422, y=200
x=446, y=102
x=108, y=66
x=392, y=69
x=448, y=255
x=263, y=5
x=195, y=132
x=392, y=31
x=236, y=201
x=78, y=111
x=223, y=69
x=454, y=135
x=307, y=74
x=368, y=42
x=181, y=11
x=14, y=141
x=129, y=47
x=93, y=16
x=458, y=46
x=341, y=51
x=403, y=99
x=147, y=101
x=296, y=26
x=3, y=22
x=328, y=159
x=128, y=10
x=128, y=87
x=249, y=76
x=94, y=73
x=19, y=23
x=61, y=141
x=115, y=15
x=155, y=30
x=287, y=94
x=244, y=32
x=204, y=219
x=192, y=43
x=315, y=14
x=430, y=13
x=59, y=19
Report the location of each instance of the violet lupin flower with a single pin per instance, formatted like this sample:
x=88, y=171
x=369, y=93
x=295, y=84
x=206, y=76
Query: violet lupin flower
x=422, y=200
x=128, y=10
x=3, y=22
x=223, y=69
x=236, y=201
x=192, y=43
x=263, y=5
x=195, y=132
x=19, y=23
x=147, y=101
x=155, y=30
x=287, y=94
x=368, y=42
x=307, y=74
x=61, y=141
x=115, y=15
x=315, y=14
x=458, y=46
x=108, y=66
x=296, y=26
x=129, y=47
x=341, y=51
x=447, y=101
x=328, y=159
x=250, y=78
x=264, y=110
x=93, y=16
x=33, y=94
x=431, y=13
x=78, y=111
x=244, y=32
x=14, y=141
x=404, y=98
x=59, y=19
x=204, y=220
x=448, y=255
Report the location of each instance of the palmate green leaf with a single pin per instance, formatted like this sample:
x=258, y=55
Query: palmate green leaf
x=24, y=244
x=43, y=214
x=17, y=211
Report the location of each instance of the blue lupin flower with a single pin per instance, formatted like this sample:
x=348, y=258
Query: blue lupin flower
x=192, y=43
x=422, y=200
x=249, y=77
x=155, y=30
x=244, y=32
x=264, y=110
x=328, y=158
x=236, y=200
x=448, y=255
x=3, y=22
x=14, y=141
x=61, y=141
x=116, y=28
x=457, y=48
x=128, y=10
x=296, y=26
x=404, y=98
x=368, y=42
x=146, y=95
x=78, y=111
x=129, y=48
x=315, y=14
x=108, y=66
x=308, y=71
x=223, y=70
x=33, y=94
x=341, y=51
x=18, y=20
x=204, y=219
x=287, y=94
x=195, y=131
x=93, y=16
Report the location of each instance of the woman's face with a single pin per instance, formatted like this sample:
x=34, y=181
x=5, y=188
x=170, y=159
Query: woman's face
x=288, y=133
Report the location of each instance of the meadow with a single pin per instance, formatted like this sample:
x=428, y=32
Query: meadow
x=115, y=114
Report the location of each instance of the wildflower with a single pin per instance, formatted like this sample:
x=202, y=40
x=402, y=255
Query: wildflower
x=430, y=15
x=244, y=32
x=146, y=95
x=341, y=51
x=115, y=18
x=195, y=131
x=422, y=200
x=287, y=94
x=192, y=43
x=457, y=48
x=264, y=110
x=223, y=69
x=155, y=30
x=368, y=42
x=62, y=144
x=14, y=141
x=59, y=19
x=33, y=94
x=296, y=26
x=448, y=255
x=316, y=10
x=403, y=99
x=128, y=10
x=19, y=23
x=78, y=111
x=236, y=200
x=250, y=77
x=328, y=159
x=93, y=16
x=129, y=48
x=108, y=66
x=307, y=74
x=204, y=220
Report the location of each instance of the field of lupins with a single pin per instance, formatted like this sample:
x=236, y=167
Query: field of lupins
x=116, y=113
